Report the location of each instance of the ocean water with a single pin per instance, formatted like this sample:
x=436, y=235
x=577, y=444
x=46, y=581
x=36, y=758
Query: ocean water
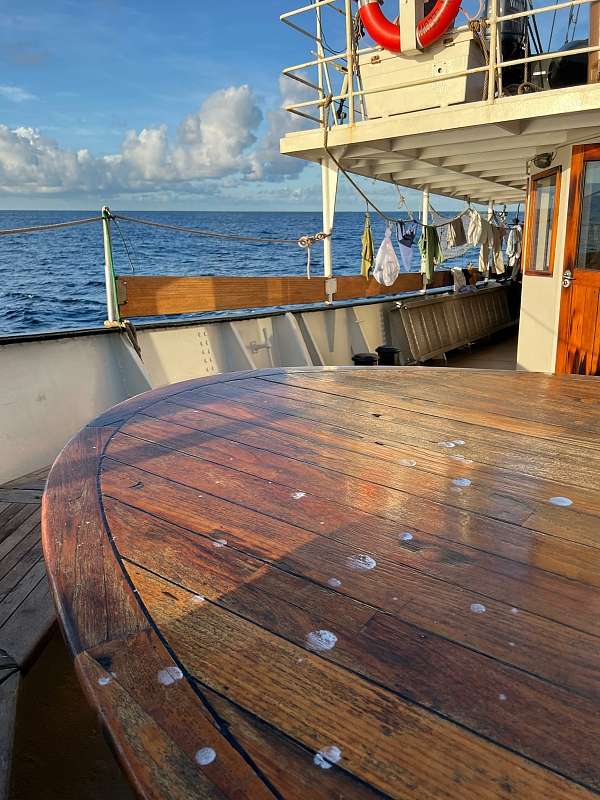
x=55, y=280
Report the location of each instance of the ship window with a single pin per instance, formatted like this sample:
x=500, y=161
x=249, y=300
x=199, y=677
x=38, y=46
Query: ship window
x=541, y=222
x=589, y=232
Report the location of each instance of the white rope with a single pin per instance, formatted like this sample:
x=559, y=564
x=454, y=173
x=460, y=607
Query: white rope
x=302, y=241
x=53, y=227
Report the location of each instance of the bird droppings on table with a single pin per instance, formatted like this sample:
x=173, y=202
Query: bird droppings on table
x=219, y=542
x=561, y=501
x=478, y=608
x=198, y=598
x=502, y=696
x=298, y=495
x=334, y=583
x=458, y=442
x=462, y=482
x=169, y=675
x=448, y=445
x=104, y=680
x=361, y=562
x=407, y=462
x=321, y=640
x=327, y=757
x=514, y=611
x=205, y=756
x=406, y=537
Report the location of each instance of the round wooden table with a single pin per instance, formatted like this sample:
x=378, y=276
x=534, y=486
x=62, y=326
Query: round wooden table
x=339, y=583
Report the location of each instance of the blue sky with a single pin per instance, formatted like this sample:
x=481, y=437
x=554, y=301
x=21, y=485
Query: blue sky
x=120, y=102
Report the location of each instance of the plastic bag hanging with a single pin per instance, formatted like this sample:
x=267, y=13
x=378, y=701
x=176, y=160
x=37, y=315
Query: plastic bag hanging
x=386, y=263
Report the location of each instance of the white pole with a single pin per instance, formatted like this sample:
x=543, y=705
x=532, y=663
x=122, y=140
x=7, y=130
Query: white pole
x=329, y=181
x=490, y=216
x=111, y=300
x=425, y=221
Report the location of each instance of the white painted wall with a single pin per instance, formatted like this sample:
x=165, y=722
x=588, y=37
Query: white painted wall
x=540, y=304
x=50, y=389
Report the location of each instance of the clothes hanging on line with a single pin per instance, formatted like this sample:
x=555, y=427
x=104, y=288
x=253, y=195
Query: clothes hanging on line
x=456, y=233
x=431, y=251
x=368, y=250
x=459, y=279
x=497, y=240
x=386, y=262
x=514, y=246
x=405, y=234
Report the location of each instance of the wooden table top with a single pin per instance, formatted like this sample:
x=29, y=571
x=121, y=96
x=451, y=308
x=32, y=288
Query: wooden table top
x=339, y=583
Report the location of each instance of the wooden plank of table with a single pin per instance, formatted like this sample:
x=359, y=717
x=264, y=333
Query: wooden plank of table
x=295, y=691
x=283, y=760
x=94, y=602
x=558, y=598
x=247, y=445
x=311, y=443
x=538, y=645
x=161, y=727
x=432, y=458
x=428, y=669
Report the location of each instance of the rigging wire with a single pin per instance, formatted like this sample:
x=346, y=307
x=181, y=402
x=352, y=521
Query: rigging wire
x=51, y=227
x=131, y=264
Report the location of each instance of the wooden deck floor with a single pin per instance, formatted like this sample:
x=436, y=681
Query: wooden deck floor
x=26, y=608
x=25, y=602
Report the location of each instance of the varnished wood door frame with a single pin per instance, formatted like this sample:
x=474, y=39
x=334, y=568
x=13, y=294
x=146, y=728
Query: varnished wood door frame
x=530, y=226
x=581, y=154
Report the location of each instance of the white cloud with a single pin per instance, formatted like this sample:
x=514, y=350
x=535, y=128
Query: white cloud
x=15, y=94
x=221, y=140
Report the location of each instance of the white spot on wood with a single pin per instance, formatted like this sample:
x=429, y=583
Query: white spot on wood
x=361, y=562
x=561, y=501
x=514, y=611
x=327, y=757
x=458, y=441
x=408, y=462
x=502, y=696
x=219, y=542
x=204, y=756
x=334, y=582
x=104, y=681
x=462, y=482
x=457, y=458
x=478, y=608
x=321, y=640
x=467, y=461
x=198, y=598
x=406, y=537
x=298, y=495
x=170, y=675
x=511, y=644
x=449, y=445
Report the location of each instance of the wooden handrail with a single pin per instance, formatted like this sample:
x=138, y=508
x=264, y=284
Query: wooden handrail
x=148, y=296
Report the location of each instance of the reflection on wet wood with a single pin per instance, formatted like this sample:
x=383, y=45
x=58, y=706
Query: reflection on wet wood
x=323, y=583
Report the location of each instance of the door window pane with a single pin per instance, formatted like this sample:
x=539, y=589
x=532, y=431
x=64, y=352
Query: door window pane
x=589, y=234
x=540, y=256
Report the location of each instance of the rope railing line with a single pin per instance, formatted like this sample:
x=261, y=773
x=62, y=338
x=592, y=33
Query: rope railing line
x=302, y=241
x=51, y=227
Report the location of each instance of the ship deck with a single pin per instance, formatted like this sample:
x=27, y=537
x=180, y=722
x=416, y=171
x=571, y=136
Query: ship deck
x=322, y=582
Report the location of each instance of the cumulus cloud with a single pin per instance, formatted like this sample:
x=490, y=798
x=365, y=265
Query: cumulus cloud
x=227, y=136
x=15, y=94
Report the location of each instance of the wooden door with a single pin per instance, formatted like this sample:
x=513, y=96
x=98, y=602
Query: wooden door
x=579, y=328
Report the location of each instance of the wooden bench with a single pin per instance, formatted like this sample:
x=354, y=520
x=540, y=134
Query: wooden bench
x=26, y=608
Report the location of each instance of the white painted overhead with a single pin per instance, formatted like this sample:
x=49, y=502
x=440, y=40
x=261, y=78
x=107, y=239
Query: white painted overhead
x=479, y=151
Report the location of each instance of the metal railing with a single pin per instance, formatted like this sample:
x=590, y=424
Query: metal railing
x=335, y=77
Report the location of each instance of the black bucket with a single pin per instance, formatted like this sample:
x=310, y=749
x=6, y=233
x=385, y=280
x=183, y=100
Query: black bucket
x=388, y=356
x=365, y=359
